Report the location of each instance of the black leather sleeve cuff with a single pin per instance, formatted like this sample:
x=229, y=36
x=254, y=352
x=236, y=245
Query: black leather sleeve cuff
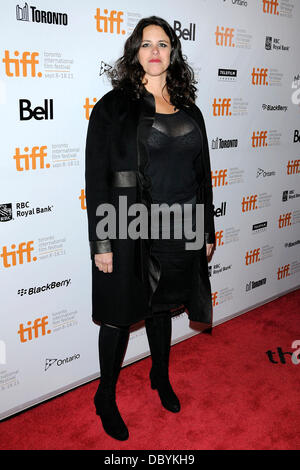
x=209, y=237
x=100, y=246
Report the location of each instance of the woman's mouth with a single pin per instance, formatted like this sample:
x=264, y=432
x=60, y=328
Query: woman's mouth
x=155, y=60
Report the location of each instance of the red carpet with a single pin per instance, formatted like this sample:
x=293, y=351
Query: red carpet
x=232, y=395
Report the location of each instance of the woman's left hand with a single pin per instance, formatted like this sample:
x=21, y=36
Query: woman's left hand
x=209, y=248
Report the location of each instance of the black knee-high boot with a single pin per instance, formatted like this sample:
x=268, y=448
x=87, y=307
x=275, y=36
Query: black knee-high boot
x=112, y=346
x=158, y=331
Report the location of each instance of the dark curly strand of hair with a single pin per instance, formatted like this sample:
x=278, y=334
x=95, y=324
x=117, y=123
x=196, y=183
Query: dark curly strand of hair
x=128, y=73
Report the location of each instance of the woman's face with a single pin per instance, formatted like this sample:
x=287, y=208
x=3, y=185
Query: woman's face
x=154, y=53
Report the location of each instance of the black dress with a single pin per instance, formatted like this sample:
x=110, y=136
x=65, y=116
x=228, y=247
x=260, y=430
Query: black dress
x=174, y=144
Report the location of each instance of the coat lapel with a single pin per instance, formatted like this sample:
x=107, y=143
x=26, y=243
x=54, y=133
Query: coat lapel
x=149, y=269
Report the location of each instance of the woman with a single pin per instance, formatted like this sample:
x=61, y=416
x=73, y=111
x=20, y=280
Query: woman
x=146, y=141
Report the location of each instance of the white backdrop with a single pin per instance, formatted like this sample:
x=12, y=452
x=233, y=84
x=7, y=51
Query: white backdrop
x=53, y=55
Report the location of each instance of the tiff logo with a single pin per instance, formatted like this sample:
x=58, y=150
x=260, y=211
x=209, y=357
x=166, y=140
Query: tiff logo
x=293, y=167
x=224, y=38
x=16, y=255
x=37, y=153
x=38, y=328
x=259, y=77
x=105, y=24
x=252, y=256
x=259, y=139
x=270, y=6
x=13, y=67
x=249, y=203
x=222, y=108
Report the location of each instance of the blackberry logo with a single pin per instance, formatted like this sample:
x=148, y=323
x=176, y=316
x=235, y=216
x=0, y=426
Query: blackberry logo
x=22, y=292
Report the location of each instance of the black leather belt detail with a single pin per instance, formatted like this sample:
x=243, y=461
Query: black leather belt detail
x=124, y=179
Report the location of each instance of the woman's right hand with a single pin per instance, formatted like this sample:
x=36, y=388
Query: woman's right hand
x=104, y=262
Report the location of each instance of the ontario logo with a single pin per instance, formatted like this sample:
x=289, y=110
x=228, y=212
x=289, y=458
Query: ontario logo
x=60, y=362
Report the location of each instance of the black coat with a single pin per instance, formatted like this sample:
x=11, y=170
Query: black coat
x=116, y=155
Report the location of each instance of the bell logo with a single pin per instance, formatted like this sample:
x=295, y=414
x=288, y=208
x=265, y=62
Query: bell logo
x=252, y=256
x=82, y=199
x=259, y=76
x=293, y=167
x=285, y=220
x=17, y=255
x=185, y=34
x=105, y=24
x=222, y=107
x=270, y=6
x=39, y=113
x=31, y=332
x=37, y=153
x=13, y=67
x=224, y=37
x=283, y=271
x=218, y=178
x=259, y=139
x=249, y=203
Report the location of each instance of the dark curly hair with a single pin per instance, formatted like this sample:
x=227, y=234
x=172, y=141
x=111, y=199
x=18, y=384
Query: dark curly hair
x=127, y=73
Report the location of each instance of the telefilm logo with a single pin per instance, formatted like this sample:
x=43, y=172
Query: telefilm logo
x=31, y=13
x=38, y=113
x=61, y=362
x=259, y=227
x=227, y=75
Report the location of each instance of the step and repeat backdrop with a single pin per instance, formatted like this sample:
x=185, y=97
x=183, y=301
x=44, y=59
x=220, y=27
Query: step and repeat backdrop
x=53, y=61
